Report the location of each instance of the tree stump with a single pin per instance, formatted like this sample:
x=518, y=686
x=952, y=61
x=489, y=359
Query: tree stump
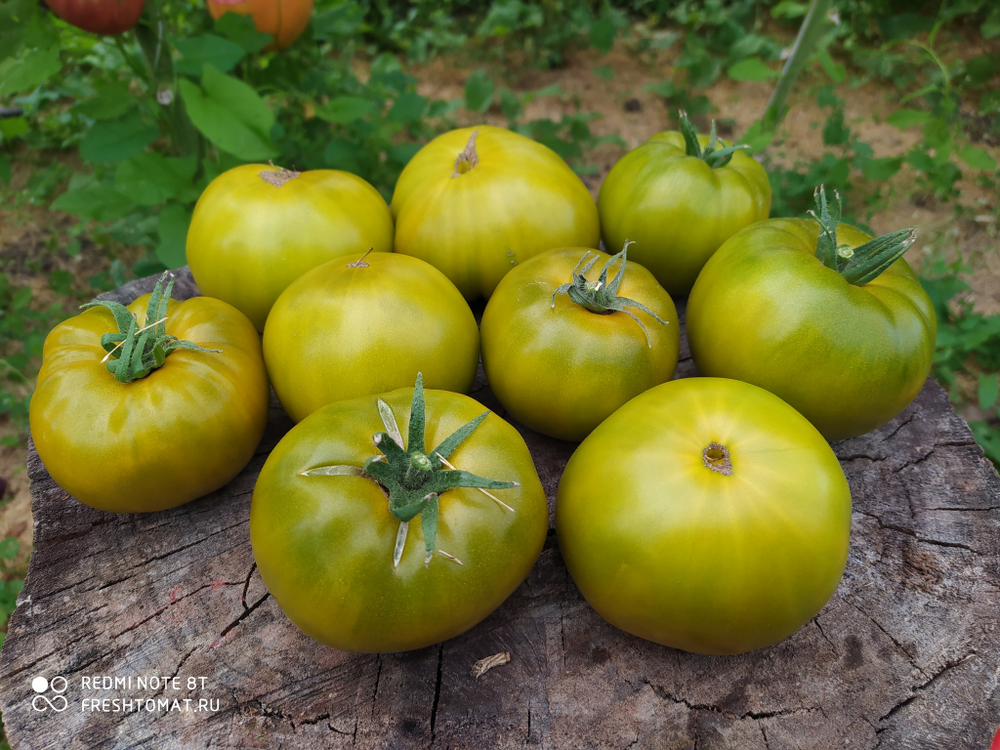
x=905, y=655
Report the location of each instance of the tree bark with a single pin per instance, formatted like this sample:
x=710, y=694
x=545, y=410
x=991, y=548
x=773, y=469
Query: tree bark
x=905, y=655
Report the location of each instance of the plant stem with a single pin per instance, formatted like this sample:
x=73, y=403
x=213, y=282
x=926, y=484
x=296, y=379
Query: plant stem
x=809, y=34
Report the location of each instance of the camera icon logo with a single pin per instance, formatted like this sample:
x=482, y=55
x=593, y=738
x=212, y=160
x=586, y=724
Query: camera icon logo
x=42, y=702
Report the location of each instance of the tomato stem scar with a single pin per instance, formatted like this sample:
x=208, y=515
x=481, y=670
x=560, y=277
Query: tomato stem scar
x=716, y=458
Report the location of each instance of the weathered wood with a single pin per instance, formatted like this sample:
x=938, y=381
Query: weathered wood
x=905, y=655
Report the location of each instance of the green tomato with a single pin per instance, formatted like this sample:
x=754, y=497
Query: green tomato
x=169, y=436
x=326, y=539
x=361, y=325
x=257, y=228
x=677, y=207
x=561, y=368
x=706, y=515
x=477, y=201
x=767, y=311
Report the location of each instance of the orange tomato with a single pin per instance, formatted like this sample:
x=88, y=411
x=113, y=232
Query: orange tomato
x=285, y=20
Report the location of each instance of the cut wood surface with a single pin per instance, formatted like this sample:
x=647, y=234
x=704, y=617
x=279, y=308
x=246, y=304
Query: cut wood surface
x=905, y=655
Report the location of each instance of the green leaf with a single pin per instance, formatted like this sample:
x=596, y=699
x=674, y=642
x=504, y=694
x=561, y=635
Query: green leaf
x=666, y=89
x=172, y=224
x=788, y=9
x=835, y=132
x=342, y=21
x=602, y=34
x=756, y=138
x=230, y=114
x=95, y=200
x=221, y=54
x=342, y=154
x=907, y=118
x=117, y=140
x=111, y=100
x=241, y=30
x=752, y=69
x=27, y=71
x=604, y=73
x=408, y=108
x=12, y=127
x=150, y=179
x=977, y=158
x=990, y=28
x=345, y=109
x=5, y=169
x=479, y=90
x=9, y=548
x=989, y=390
x=881, y=169
x=836, y=72
x=510, y=104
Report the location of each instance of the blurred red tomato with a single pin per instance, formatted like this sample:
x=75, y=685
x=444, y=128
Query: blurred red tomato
x=99, y=16
x=285, y=20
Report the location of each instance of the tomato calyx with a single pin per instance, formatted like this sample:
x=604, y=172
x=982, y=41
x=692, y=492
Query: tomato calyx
x=412, y=479
x=601, y=296
x=712, y=154
x=716, y=458
x=145, y=349
x=467, y=159
x=865, y=262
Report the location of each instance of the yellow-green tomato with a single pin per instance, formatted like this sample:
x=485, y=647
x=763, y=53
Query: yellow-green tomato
x=767, y=311
x=561, y=368
x=178, y=433
x=706, y=515
x=477, y=201
x=257, y=228
x=677, y=207
x=368, y=324
x=325, y=540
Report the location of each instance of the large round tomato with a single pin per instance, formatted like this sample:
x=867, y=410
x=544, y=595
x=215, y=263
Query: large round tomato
x=333, y=551
x=679, y=204
x=257, y=228
x=99, y=16
x=560, y=364
x=475, y=202
x=849, y=357
x=181, y=431
x=360, y=325
x=707, y=515
x=285, y=20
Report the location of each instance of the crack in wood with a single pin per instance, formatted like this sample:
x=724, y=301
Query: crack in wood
x=903, y=424
x=437, y=691
x=826, y=637
x=911, y=658
x=246, y=613
x=246, y=586
x=663, y=694
x=918, y=691
x=913, y=534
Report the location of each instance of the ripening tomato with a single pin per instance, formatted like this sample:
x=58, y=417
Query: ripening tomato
x=477, y=201
x=848, y=341
x=285, y=20
x=562, y=352
x=99, y=16
x=129, y=421
x=706, y=515
x=257, y=228
x=403, y=544
x=368, y=324
x=680, y=196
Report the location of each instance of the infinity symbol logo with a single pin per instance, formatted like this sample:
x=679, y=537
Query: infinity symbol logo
x=58, y=685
